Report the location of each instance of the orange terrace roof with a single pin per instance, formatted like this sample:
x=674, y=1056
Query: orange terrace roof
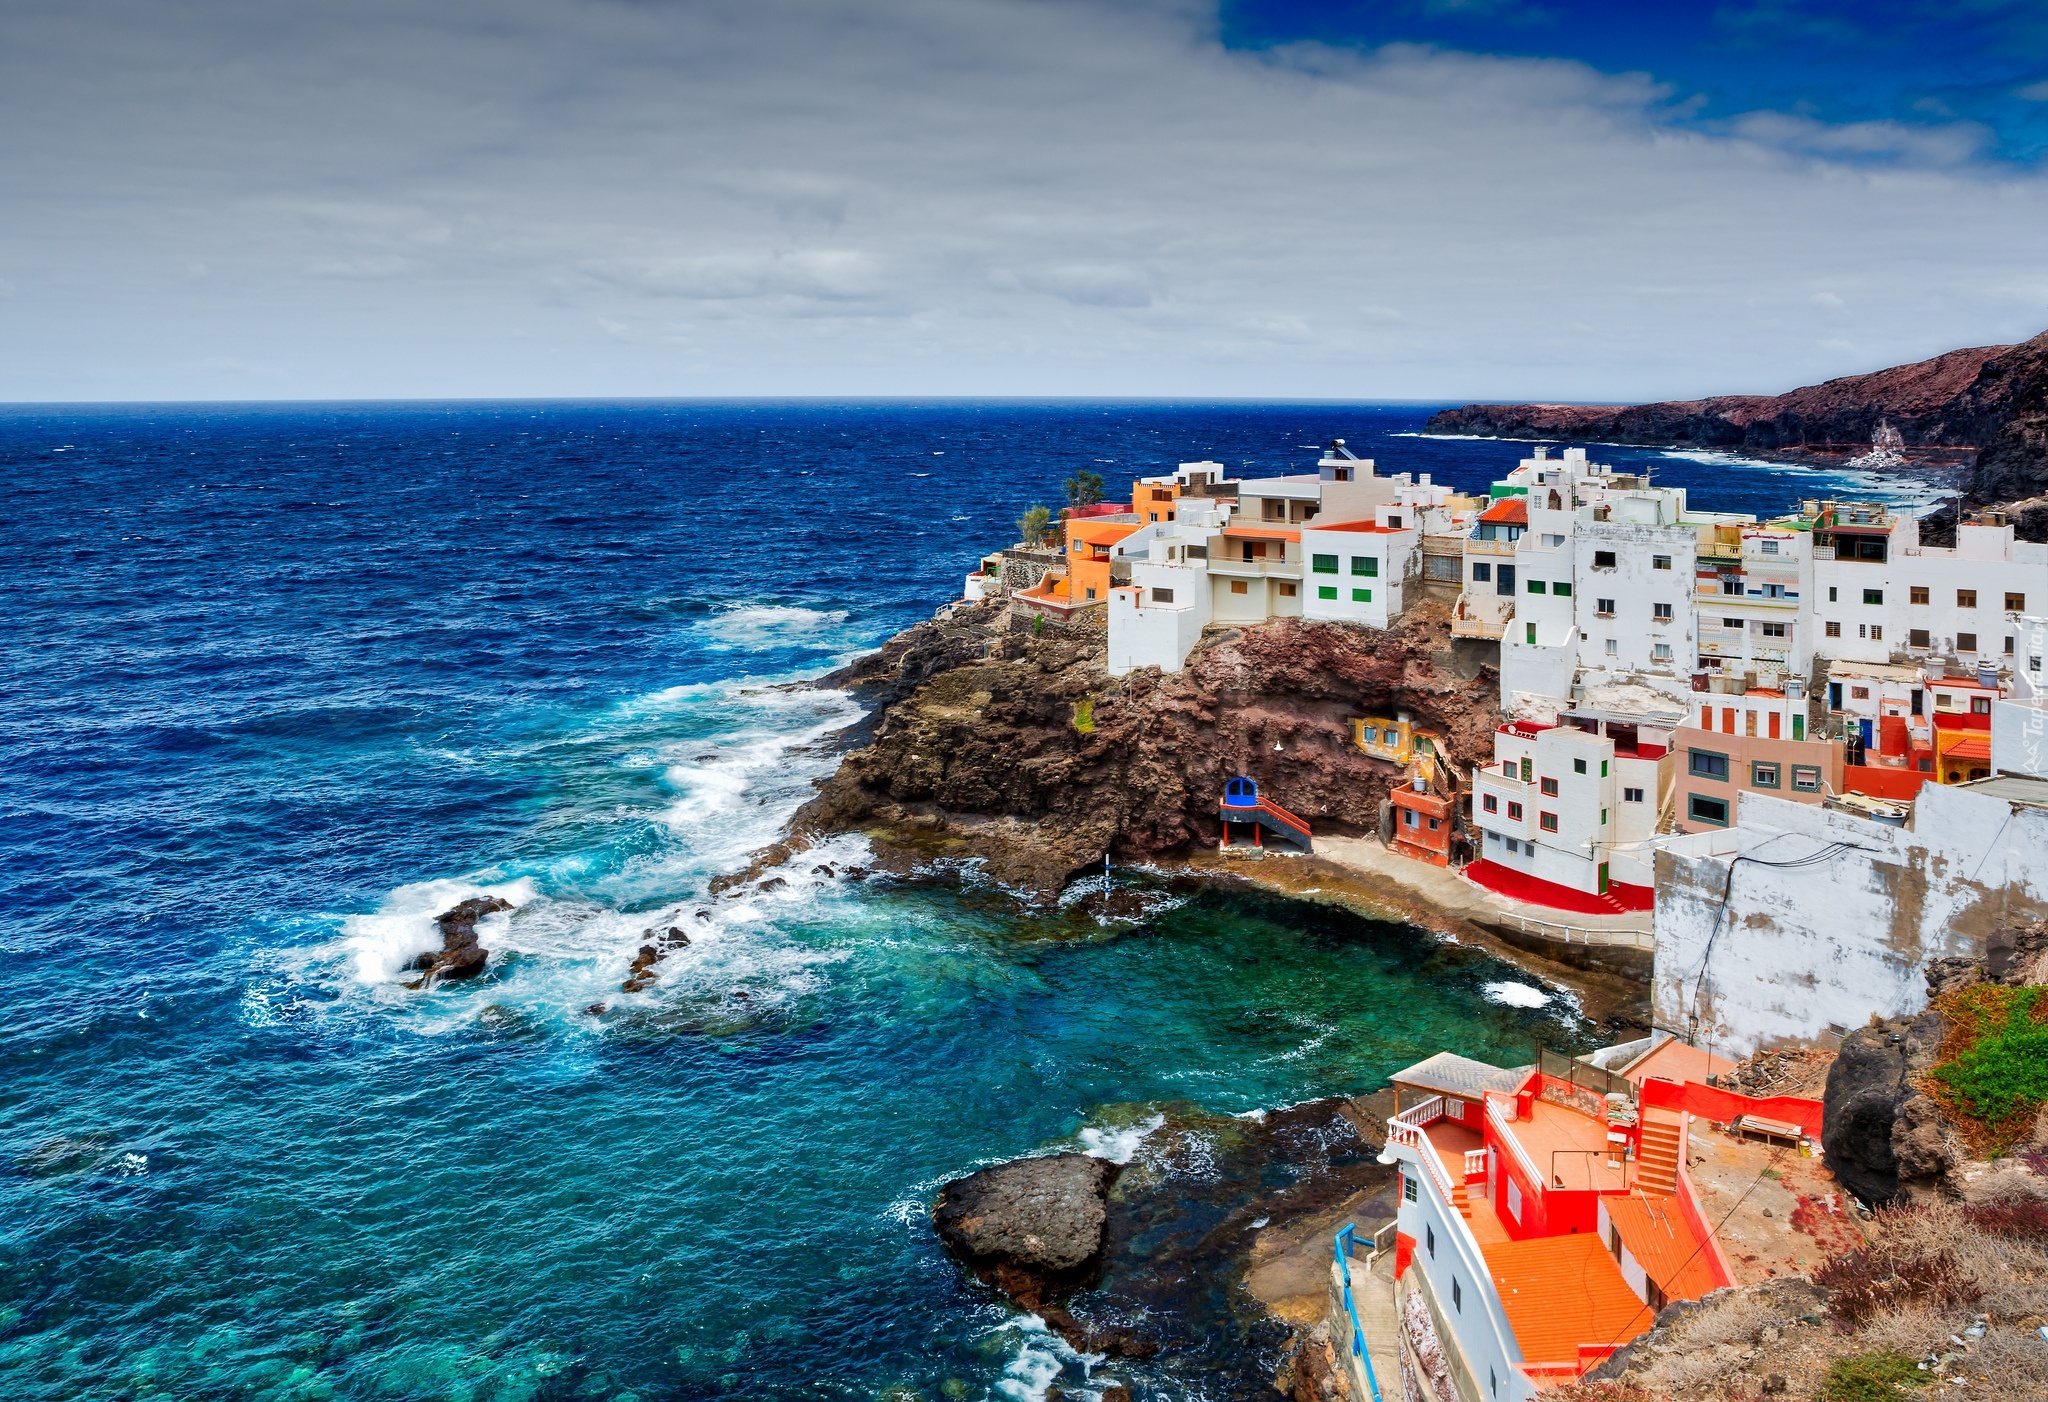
x=1976, y=747
x=1561, y=1292
x=1260, y=533
x=1667, y=1249
x=1364, y=527
x=1513, y=510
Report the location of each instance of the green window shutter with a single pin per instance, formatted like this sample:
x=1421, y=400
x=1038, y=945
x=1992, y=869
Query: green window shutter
x=1799, y=727
x=1529, y=634
x=1326, y=564
x=1562, y=589
x=1326, y=591
x=1535, y=586
x=1366, y=566
x=1361, y=596
x=1603, y=817
x=1603, y=769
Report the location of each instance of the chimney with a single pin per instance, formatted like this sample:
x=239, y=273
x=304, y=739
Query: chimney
x=1987, y=674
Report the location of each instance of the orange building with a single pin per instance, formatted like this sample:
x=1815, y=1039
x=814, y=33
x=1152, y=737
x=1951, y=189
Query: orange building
x=1422, y=823
x=1088, y=545
x=1155, y=500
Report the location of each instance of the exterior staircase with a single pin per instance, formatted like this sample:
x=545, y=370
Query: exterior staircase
x=1460, y=1199
x=1663, y=1144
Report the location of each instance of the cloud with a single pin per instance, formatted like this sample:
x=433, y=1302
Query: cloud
x=2033, y=92
x=940, y=196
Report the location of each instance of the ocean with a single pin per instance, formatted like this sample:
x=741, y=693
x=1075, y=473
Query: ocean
x=287, y=680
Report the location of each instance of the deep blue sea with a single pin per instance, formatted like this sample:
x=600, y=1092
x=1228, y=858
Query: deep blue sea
x=283, y=682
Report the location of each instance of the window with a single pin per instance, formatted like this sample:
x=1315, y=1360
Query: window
x=1547, y=821
x=1660, y=562
x=1162, y=596
x=1859, y=693
x=1713, y=811
x=1371, y=734
x=1528, y=769
x=1514, y=1199
x=1562, y=589
x=1603, y=769
x=1549, y=787
x=1631, y=795
x=1771, y=630
x=1834, y=629
x=1707, y=764
x=1325, y=564
x=1578, y=766
x=1917, y=595
x=1660, y=652
x=2033, y=662
x=1490, y=803
x=1917, y=637
x=1613, y=648
x=1768, y=547
x=1873, y=596
x=1966, y=598
x=1661, y=611
x=1457, y=1295
x=1980, y=706
x=1408, y=1188
x=1603, y=817
x=1513, y=845
x=1287, y=591
x=1326, y=591
x=1365, y=566
x=1603, y=559
x=1535, y=586
x=1877, y=632
x=1434, y=825
x=1731, y=623
x=1408, y=816
x=1831, y=593
x=2015, y=603
x=1361, y=596
x=1604, y=607
x=1091, y=591
x=1529, y=634
x=1806, y=778
x=1553, y=540
x=1763, y=775
x=1482, y=574
x=2008, y=644
x=1966, y=642
x=1429, y=1238
x=1514, y=812
x=1238, y=586
x=1731, y=585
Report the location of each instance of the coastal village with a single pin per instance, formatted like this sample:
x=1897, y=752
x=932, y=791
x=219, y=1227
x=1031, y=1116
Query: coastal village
x=1792, y=775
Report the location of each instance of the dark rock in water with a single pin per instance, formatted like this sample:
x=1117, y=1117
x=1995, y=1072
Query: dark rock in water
x=1114, y=904
x=855, y=874
x=1115, y=1392
x=460, y=956
x=773, y=883
x=596, y=1010
x=1033, y=1227
x=704, y=916
x=642, y=973
x=674, y=938
x=822, y=869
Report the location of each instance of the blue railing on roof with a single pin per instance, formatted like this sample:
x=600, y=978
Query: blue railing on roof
x=1358, y=1349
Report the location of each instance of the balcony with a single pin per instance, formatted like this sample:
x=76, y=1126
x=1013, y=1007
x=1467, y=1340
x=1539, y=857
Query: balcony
x=1487, y=616
x=1264, y=567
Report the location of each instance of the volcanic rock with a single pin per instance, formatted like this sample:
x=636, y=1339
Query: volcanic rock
x=1989, y=403
x=982, y=759
x=1033, y=1227
x=460, y=956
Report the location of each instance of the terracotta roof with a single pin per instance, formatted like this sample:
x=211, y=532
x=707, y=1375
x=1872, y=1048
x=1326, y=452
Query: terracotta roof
x=1668, y=1250
x=1513, y=510
x=1260, y=533
x=1976, y=747
x=1561, y=1292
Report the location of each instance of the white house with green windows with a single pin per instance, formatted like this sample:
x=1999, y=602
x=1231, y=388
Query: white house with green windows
x=1362, y=571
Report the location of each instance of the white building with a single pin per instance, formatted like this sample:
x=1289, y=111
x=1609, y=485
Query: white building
x=1157, y=618
x=1752, y=582
x=1558, y=808
x=1362, y=571
x=1878, y=593
x=1812, y=934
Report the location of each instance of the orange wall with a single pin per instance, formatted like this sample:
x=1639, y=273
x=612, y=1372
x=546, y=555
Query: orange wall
x=1741, y=751
x=1151, y=501
x=1084, y=540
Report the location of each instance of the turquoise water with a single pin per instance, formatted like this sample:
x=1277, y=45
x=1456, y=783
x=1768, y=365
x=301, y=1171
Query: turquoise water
x=289, y=681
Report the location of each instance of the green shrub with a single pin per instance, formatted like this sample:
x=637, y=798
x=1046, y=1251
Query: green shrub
x=1994, y=1064
x=1870, y=1377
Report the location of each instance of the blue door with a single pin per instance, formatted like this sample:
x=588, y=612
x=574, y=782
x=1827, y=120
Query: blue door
x=1241, y=793
x=1865, y=725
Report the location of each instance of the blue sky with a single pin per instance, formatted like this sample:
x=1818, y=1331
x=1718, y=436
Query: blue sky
x=1919, y=64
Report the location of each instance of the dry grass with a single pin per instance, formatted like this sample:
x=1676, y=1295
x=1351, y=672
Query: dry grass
x=1928, y=1276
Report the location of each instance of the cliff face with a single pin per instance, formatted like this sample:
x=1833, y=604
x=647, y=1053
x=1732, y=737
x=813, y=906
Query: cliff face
x=1988, y=398
x=1026, y=752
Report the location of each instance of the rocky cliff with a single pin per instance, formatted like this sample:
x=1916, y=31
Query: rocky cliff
x=1023, y=750
x=1987, y=405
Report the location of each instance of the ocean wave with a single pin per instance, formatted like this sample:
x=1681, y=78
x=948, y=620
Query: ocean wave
x=381, y=942
x=768, y=625
x=1118, y=1143
x=1516, y=995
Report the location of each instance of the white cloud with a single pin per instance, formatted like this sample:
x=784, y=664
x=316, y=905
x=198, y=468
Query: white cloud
x=942, y=196
x=2033, y=92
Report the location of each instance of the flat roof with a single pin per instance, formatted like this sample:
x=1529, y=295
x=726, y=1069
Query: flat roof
x=1673, y=1060
x=2013, y=788
x=1570, y=1149
x=1368, y=527
x=1450, y=1074
x=1563, y=1291
x=1260, y=533
x=1663, y=1243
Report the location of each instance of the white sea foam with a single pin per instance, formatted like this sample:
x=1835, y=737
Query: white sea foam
x=758, y=625
x=1516, y=995
x=1118, y=1144
x=1041, y=1357
x=403, y=926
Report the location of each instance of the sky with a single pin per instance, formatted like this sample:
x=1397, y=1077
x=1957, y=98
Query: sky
x=1421, y=199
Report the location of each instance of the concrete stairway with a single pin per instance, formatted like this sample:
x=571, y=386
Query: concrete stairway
x=1461, y=1199
x=1663, y=1144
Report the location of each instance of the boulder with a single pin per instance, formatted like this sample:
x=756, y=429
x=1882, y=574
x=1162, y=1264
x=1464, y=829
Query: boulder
x=1032, y=1228
x=460, y=956
x=1860, y=1107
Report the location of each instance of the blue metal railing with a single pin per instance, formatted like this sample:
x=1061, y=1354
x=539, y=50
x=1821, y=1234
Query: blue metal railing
x=1358, y=1349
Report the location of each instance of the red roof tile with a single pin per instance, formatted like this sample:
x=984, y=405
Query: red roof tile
x=1513, y=510
x=1561, y=1292
x=1667, y=1249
